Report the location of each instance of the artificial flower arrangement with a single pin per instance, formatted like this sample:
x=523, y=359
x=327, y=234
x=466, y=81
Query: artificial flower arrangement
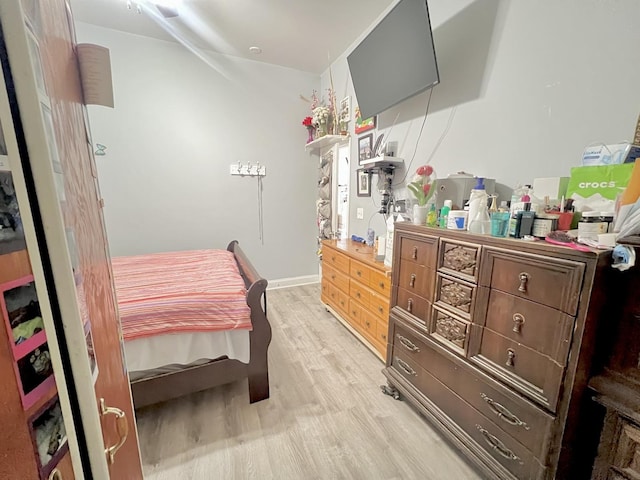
x=308, y=122
x=423, y=184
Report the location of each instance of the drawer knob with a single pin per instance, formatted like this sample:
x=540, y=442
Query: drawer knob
x=408, y=344
x=503, y=413
x=410, y=305
x=367, y=323
x=414, y=255
x=405, y=367
x=412, y=280
x=511, y=355
x=380, y=309
x=524, y=279
x=499, y=447
x=381, y=284
x=358, y=294
x=518, y=321
x=359, y=273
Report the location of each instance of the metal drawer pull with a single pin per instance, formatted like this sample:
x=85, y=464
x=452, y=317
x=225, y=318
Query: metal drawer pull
x=406, y=368
x=518, y=321
x=503, y=413
x=498, y=446
x=381, y=284
x=524, y=279
x=511, y=355
x=414, y=255
x=359, y=273
x=412, y=280
x=121, y=425
x=358, y=294
x=55, y=475
x=409, y=305
x=408, y=344
x=380, y=309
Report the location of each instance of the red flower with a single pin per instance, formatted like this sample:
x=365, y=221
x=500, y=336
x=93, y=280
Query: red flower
x=307, y=122
x=425, y=170
x=426, y=187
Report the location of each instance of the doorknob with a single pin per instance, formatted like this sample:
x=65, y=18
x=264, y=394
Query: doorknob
x=121, y=425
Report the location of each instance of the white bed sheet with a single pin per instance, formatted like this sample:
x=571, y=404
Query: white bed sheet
x=185, y=348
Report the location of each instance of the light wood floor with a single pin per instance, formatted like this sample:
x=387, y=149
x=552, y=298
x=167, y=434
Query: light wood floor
x=326, y=418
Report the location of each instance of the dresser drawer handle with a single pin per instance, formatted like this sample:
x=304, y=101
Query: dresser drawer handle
x=357, y=294
x=380, y=309
x=503, y=413
x=406, y=368
x=524, y=279
x=409, y=305
x=381, y=284
x=412, y=281
x=518, y=321
x=359, y=273
x=511, y=355
x=333, y=277
x=498, y=446
x=414, y=255
x=408, y=344
x=367, y=323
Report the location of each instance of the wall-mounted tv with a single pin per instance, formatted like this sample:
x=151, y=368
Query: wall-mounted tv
x=396, y=60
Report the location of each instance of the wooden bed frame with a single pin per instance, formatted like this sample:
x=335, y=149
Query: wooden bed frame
x=159, y=388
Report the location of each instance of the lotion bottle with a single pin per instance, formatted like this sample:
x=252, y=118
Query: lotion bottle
x=478, y=197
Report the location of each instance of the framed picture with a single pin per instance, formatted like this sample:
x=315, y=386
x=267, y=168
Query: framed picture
x=363, y=178
x=364, y=125
x=345, y=114
x=365, y=147
x=48, y=436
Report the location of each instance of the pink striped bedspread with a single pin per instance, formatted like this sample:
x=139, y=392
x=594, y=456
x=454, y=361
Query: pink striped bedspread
x=190, y=291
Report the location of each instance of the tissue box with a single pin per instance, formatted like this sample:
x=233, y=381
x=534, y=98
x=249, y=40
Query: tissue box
x=553, y=187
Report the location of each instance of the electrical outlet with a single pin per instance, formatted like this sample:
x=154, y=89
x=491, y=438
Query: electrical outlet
x=360, y=213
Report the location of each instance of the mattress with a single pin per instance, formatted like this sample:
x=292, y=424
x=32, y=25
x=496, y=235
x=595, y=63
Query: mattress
x=162, y=353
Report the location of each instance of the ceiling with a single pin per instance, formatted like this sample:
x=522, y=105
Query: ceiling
x=306, y=35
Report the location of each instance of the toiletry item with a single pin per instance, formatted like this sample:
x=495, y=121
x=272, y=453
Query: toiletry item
x=544, y=224
x=499, y=224
x=432, y=216
x=457, y=220
x=494, y=206
x=481, y=223
x=371, y=235
x=444, y=213
x=478, y=197
x=591, y=225
x=526, y=224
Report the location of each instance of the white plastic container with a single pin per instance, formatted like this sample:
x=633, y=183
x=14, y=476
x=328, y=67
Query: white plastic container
x=457, y=220
x=478, y=198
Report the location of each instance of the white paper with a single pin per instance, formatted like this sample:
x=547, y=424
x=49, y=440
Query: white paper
x=95, y=72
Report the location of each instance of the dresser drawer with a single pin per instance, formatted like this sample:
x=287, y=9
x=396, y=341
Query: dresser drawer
x=339, y=279
x=551, y=281
x=382, y=331
x=379, y=305
x=369, y=325
x=335, y=259
x=544, y=329
x=341, y=300
x=420, y=251
x=499, y=445
x=535, y=375
x=625, y=457
x=417, y=306
x=359, y=271
x=416, y=278
x=455, y=295
x=459, y=259
x=356, y=312
x=359, y=292
x=449, y=330
x=380, y=283
x=325, y=294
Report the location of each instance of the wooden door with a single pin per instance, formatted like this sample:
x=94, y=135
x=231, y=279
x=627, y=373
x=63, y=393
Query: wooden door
x=45, y=85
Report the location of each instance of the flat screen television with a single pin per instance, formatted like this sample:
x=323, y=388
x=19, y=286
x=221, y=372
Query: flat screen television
x=396, y=60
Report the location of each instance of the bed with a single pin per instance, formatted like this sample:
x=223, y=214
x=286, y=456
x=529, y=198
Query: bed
x=192, y=321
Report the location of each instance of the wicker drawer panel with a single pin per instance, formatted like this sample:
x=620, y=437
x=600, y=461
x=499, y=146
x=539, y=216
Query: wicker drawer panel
x=380, y=283
x=335, y=259
x=459, y=259
x=455, y=295
x=418, y=307
x=535, y=375
x=419, y=251
x=360, y=272
x=544, y=329
x=449, y=330
x=416, y=278
x=379, y=306
x=498, y=444
x=339, y=279
x=550, y=281
x=359, y=292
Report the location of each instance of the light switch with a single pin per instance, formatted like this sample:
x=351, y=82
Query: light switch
x=360, y=213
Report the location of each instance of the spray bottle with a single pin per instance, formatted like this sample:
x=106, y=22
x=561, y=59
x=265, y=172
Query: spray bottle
x=477, y=199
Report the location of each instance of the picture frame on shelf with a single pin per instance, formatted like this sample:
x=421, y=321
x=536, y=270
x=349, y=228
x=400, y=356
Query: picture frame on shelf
x=364, y=124
x=344, y=115
x=363, y=179
x=365, y=148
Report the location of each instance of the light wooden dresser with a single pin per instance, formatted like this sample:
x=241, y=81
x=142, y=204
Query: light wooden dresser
x=356, y=288
x=492, y=340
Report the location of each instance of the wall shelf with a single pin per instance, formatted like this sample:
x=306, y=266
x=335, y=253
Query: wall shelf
x=326, y=141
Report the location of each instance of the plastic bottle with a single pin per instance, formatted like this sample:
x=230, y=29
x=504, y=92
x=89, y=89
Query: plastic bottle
x=477, y=199
x=482, y=221
x=432, y=216
x=444, y=213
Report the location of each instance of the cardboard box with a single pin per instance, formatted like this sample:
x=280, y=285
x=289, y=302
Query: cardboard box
x=553, y=187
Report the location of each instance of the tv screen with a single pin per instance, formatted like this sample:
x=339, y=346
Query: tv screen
x=396, y=60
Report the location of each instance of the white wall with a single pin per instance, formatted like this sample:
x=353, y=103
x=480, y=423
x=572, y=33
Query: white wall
x=176, y=127
x=525, y=86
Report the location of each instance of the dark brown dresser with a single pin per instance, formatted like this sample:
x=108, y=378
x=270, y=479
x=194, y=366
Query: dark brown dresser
x=493, y=341
x=616, y=385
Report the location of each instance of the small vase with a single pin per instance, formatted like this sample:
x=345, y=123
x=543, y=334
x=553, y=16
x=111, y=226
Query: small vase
x=310, y=132
x=322, y=130
x=420, y=214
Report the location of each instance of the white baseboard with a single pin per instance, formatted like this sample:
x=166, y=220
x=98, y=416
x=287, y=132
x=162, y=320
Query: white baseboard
x=292, y=282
